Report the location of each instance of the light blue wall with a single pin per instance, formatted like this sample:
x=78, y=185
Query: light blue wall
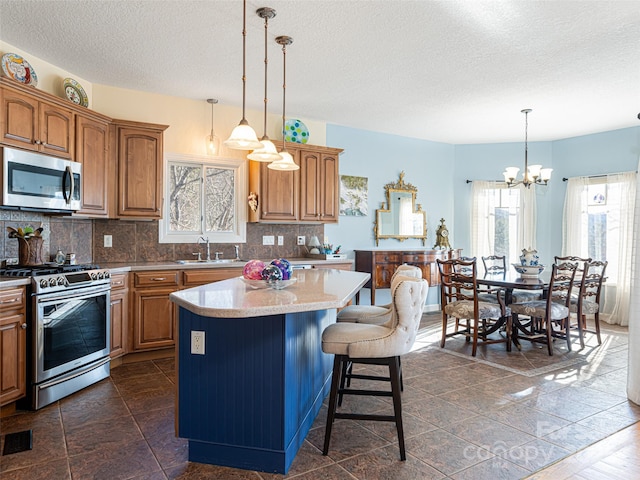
x=440, y=170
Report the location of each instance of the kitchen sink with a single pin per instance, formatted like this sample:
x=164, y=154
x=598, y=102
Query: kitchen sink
x=221, y=260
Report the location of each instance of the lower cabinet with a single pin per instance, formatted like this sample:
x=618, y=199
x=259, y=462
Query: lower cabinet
x=13, y=345
x=154, y=315
x=119, y=313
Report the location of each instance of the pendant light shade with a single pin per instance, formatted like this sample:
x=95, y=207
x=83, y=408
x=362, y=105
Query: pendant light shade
x=212, y=141
x=243, y=137
x=267, y=151
x=287, y=162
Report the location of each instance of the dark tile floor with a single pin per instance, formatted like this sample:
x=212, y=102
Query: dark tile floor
x=464, y=419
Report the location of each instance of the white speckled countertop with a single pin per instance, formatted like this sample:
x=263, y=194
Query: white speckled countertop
x=11, y=282
x=315, y=289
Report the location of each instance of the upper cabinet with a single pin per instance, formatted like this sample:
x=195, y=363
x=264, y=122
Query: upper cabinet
x=306, y=195
x=92, y=151
x=30, y=121
x=139, y=160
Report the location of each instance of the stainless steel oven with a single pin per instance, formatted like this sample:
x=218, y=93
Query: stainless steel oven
x=68, y=329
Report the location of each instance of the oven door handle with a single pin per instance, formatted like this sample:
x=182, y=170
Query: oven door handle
x=79, y=294
x=76, y=373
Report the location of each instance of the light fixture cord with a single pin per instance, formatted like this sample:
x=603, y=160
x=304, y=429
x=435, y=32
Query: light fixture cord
x=284, y=90
x=212, y=135
x=244, y=50
x=266, y=62
x=526, y=148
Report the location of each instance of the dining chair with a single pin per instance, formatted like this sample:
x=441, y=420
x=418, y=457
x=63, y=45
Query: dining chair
x=587, y=302
x=474, y=318
x=375, y=345
x=376, y=314
x=545, y=315
x=496, y=265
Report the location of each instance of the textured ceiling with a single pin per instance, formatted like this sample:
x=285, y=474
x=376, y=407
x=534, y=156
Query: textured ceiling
x=456, y=71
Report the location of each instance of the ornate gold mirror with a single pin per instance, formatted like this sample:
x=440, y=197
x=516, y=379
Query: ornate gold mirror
x=400, y=217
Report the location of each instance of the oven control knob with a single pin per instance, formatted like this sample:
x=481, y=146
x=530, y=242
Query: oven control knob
x=52, y=282
x=44, y=284
x=107, y=274
x=100, y=275
x=62, y=281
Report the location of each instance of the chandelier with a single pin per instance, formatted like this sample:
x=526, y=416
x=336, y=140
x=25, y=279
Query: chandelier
x=533, y=174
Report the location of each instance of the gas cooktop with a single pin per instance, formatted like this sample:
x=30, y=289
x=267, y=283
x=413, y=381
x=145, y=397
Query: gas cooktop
x=44, y=269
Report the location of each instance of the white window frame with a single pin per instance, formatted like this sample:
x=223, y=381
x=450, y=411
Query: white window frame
x=239, y=233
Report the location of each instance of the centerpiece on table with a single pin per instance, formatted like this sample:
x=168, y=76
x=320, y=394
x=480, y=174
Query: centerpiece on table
x=30, y=244
x=529, y=266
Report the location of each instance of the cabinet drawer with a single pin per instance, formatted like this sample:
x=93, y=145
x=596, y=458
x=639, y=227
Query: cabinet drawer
x=388, y=257
x=416, y=258
x=118, y=281
x=154, y=279
x=10, y=299
x=191, y=278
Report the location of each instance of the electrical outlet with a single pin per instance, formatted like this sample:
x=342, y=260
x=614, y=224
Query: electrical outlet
x=280, y=240
x=301, y=240
x=108, y=241
x=267, y=240
x=197, y=342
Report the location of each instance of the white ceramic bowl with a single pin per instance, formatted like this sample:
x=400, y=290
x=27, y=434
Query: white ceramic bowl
x=528, y=270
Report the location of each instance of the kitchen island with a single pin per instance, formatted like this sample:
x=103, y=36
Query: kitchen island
x=250, y=399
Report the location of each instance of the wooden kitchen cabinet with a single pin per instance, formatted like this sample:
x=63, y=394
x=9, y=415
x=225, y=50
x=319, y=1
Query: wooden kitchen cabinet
x=13, y=345
x=319, y=186
x=29, y=121
x=197, y=277
x=154, y=315
x=139, y=160
x=92, y=151
x=306, y=195
x=119, y=313
x=382, y=264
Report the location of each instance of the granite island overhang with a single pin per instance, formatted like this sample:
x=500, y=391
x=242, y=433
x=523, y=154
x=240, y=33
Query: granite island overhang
x=250, y=399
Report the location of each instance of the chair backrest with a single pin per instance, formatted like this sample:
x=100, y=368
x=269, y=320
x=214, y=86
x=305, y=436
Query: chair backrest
x=571, y=259
x=562, y=282
x=494, y=264
x=457, y=279
x=407, y=271
x=591, y=281
x=407, y=306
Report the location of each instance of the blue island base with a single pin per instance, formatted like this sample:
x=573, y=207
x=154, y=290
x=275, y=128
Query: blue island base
x=251, y=399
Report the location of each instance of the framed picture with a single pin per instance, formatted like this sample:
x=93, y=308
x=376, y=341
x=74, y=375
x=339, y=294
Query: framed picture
x=354, y=194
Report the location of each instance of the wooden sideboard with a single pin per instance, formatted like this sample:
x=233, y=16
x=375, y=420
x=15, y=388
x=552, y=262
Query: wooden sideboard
x=381, y=264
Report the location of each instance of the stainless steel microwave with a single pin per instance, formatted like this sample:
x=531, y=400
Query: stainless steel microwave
x=33, y=181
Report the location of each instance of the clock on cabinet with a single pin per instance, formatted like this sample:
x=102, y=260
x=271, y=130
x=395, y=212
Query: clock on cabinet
x=442, y=237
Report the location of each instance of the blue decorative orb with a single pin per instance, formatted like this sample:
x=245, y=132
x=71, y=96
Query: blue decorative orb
x=271, y=273
x=284, y=265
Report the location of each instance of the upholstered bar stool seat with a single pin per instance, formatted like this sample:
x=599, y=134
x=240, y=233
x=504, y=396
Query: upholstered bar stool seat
x=376, y=314
x=377, y=345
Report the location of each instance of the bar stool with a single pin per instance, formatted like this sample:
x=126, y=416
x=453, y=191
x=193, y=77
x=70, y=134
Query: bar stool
x=376, y=345
x=376, y=314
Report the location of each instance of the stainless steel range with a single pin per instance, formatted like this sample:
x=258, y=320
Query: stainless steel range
x=68, y=329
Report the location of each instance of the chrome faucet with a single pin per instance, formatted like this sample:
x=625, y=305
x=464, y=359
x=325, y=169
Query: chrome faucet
x=206, y=240
x=237, y=248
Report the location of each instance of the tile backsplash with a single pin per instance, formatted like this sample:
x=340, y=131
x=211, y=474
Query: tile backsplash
x=137, y=241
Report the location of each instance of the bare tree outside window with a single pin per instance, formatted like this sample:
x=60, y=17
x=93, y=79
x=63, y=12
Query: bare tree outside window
x=219, y=195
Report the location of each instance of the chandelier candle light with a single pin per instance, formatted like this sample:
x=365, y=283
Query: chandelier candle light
x=286, y=163
x=267, y=152
x=533, y=174
x=243, y=137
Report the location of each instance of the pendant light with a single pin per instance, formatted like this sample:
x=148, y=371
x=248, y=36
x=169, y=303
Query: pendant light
x=267, y=152
x=533, y=174
x=287, y=162
x=213, y=141
x=243, y=137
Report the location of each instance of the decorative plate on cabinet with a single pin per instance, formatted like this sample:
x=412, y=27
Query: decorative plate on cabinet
x=295, y=131
x=17, y=68
x=74, y=92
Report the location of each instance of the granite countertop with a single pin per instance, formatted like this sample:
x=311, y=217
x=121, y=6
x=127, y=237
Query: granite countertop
x=118, y=267
x=11, y=282
x=314, y=289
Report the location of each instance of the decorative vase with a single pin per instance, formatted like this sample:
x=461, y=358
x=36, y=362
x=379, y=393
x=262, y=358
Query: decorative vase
x=30, y=250
x=529, y=257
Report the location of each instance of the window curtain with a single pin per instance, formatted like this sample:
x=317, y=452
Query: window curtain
x=483, y=205
x=620, y=215
x=633, y=380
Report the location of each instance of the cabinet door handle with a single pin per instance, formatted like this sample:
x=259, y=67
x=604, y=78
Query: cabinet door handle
x=13, y=300
x=158, y=279
x=23, y=326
